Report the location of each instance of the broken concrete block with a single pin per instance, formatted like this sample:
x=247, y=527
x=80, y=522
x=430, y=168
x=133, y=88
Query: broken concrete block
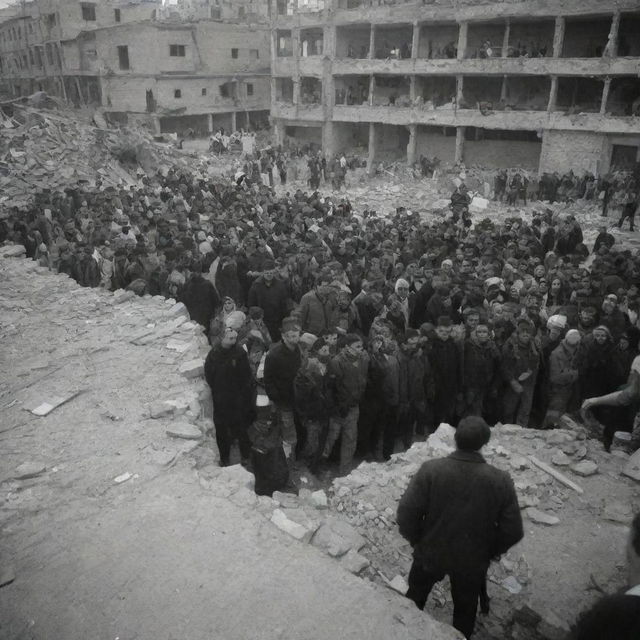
x=552, y=627
x=511, y=584
x=478, y=204
x=287, y=500
x=560, y=459
x=319, y=499
x=509, y=429
x=160, y=409
x=123, y=478
x=519, y=463
x=192, y=369
x=399, y=584
x=29, y=470
x=585, y=468
x=336, y=537
x=558, y=437
x=13, y=251
x=244, y=497
x=297, y=531
x=236, y=476
x=540, y=517
x=178, y=309
x=121, y=296
x=355, y=563
x=178, y=345
x=185, y=431
x=618, y=512
x=632, y=468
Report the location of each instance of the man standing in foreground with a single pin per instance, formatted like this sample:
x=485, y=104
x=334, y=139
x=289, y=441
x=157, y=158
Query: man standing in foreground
x=458, y=513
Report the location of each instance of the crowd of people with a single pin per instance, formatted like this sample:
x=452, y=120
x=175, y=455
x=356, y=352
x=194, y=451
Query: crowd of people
x=397, y=323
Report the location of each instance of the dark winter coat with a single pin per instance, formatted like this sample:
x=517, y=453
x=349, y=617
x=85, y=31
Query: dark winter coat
x=280, y=368
x=348, y=376
x=481, y=364
x=273, y=300
x=201, y=299
x=228, y=373
x=517, y=359
x=458, y=513
x=312, y=393
x=444, y=358
x=316, y=312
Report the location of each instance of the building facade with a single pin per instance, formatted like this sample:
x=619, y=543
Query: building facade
x=124, y=57
x=540, y=84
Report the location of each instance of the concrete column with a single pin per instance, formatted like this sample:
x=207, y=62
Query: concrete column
x=329, y=41
x=415, y=45
x=296, y=91
x=295, y=43
x=372, y=149
x=328, y=139
x=462, y=40
x=412, y=147
x=273, y=90
x=278, y=130
x=459, y=144
x=459, y=90
x=412, y=89
x=372, y=88
x=558, y=36
x=611, y=50
x=605, y=95
x=372, y=42
x=234, y=121
x=156, y=125
x=210, y=122
x=505, y=39
x=553, y=95
x=503, y=89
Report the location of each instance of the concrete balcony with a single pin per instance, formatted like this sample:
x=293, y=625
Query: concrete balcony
x=512, y=120
x=283, y=67
x=311, y=66
x=491, y=66
x=302, y=112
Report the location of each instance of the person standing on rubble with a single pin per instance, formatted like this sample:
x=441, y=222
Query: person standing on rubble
x=458, y=513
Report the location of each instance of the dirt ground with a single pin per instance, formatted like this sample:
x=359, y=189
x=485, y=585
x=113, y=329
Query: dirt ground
x=157, y=556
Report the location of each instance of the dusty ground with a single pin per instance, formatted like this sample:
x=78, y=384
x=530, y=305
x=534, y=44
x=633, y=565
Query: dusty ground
x=158, y=556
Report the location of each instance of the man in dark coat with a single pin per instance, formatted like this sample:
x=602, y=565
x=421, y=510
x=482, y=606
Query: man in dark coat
x=458, y=513
x=228, y=373
x=270, y=294
x=444, y=358
x=200, y=297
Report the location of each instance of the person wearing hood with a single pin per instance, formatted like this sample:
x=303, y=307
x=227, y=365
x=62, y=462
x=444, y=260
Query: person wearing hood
x=563, y=377
x=481, y=368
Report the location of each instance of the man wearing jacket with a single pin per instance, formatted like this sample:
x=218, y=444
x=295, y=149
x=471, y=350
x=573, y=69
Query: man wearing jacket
x=458, y=513
x=316, y=306
x=348, y=379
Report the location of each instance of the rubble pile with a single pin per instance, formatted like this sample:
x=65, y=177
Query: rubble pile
x=568, y=487
x=55, y=149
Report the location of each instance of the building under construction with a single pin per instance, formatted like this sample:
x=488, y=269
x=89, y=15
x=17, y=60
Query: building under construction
x=537, y=84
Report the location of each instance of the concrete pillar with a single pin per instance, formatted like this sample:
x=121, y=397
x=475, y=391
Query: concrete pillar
x=611, y=50
x=296, y=91
x=372, y=149
x=503, y=89
x=415, y=45
x=234, y=121
x=462, y=40
x=505, y=39
x=329, y=41
x=372, y=42
x=558, y=36
x=273, y=90
x=295, y=42
x=459, y=90
x=156, y=125
x=553, y=95
x=210, y=122
x=278, y=131
x=605, y=95
x=328, y=139
x=412, y=89
x=412, y=147
x=372, y=89
x=459, y=144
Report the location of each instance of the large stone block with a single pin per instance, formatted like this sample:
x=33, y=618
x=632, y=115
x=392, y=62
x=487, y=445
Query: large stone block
x=192, y=368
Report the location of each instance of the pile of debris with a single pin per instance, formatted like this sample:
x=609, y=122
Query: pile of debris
x=47, y=148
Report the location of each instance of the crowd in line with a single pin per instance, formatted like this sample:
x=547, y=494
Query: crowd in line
x=363, y=329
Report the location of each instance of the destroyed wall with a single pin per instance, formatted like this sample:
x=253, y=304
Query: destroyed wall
x=489, y=152
x=431, y=142
x=581, y=151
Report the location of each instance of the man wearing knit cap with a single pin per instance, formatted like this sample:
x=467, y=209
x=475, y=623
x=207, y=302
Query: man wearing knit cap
x=347, y=373
x=563, y=377
x=458, y=513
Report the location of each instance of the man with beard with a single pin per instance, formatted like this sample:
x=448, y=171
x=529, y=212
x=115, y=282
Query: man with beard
x=228, y=373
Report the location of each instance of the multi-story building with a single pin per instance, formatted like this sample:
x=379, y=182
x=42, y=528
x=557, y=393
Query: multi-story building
x=542, y=84
x=120, y=55
x=243, y=10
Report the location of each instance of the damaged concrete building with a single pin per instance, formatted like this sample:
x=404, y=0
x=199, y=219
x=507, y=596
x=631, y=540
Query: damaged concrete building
x=177, y=75
x=541, y=85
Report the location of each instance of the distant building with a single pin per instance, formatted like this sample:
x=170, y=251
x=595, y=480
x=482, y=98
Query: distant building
x=125, y=57
x=538, y=84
